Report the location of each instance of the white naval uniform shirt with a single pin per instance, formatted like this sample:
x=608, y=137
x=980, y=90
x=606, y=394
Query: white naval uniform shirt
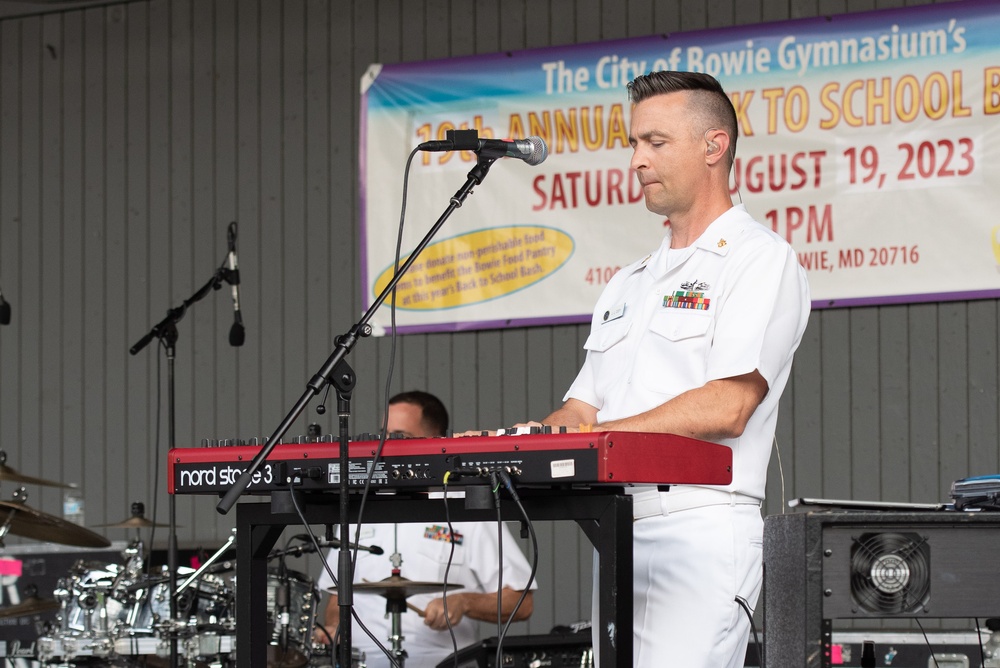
x=426, y=550
x=734, y=301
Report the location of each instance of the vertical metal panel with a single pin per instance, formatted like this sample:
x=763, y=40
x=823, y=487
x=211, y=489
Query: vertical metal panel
x=893, y=399
x=835, y=385
x=863, y=437
x=984, y=377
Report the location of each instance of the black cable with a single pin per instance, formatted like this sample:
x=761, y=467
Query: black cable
x=509, y=484
x=979, y=636
x=392, y=363
x=447, y=570
x=927, y=640
x=329, y=571
x=760, y=648
x=495, y=485
x=385, y=413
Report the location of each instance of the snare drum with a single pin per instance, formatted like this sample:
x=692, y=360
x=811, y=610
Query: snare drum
x=91, y=609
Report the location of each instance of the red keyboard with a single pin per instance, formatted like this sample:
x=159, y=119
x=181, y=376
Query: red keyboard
x=549, y=460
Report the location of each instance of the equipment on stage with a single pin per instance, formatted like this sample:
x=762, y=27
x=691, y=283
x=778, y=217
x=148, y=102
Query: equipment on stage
x=17, y=518
x=421, y=464
x=829, y=565
x=557, y=650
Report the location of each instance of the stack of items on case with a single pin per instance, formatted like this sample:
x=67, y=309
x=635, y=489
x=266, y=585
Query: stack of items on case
x=977, y=493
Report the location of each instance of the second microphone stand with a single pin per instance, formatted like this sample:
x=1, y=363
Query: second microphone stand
x=166, y=332
x=336, y=371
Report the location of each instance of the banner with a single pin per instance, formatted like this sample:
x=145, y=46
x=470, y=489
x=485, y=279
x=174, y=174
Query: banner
x=871, y=142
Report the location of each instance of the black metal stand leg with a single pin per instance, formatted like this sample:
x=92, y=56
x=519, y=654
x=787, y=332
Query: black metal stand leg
x=253, y=543
x=605, y=518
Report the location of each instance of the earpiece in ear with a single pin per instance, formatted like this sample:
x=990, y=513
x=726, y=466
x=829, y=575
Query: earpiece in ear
x=712, y=147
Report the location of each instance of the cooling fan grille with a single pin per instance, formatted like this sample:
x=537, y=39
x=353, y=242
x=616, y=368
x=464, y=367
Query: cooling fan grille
x=890, y=572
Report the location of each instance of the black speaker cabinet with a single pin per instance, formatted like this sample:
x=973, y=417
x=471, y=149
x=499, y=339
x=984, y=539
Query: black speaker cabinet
x=854, y=565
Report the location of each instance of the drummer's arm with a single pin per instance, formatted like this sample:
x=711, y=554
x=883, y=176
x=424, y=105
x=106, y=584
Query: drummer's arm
x=481, y=607
x=331, y=620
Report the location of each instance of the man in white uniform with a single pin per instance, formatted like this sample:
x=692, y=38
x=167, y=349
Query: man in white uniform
x=695, y=339
x=425, y=551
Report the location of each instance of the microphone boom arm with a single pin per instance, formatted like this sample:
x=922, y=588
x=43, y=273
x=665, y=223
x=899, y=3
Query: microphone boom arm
x=337, y=371
x=345, y=342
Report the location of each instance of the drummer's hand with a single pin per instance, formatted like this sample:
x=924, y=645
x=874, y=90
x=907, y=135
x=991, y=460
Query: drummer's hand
x=324, y=638
x=434, y=612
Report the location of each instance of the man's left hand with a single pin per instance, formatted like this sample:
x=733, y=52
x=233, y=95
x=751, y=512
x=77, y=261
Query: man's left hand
x=434, y=612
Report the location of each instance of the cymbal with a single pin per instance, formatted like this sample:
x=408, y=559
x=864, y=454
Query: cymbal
x=29, y=606
x=10, y=475
x=136, y=521
x=398, y=587
x=133, y=522
x=30, y=523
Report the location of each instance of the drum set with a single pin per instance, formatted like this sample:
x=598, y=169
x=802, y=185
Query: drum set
x=120, y=613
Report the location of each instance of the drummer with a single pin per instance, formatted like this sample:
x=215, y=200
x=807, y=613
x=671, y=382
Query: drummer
x=425, y=551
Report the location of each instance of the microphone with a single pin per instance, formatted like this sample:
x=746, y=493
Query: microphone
x=532, y=150
x=4, y=310
x=309, y=548
x=236, y=334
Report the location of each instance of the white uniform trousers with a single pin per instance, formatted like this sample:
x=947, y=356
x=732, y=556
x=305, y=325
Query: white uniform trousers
x=688, y=567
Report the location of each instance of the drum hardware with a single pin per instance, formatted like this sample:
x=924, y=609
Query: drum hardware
x=208, y=562
x=21, y=520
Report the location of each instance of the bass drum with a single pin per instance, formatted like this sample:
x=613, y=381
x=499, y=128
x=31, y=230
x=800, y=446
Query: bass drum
x=292, y=598
x=208, y=602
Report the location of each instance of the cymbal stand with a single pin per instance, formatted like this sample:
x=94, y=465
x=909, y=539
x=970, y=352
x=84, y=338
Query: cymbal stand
x=337, y=372
x=166, y=332
x=396, y=607
x=20, y=496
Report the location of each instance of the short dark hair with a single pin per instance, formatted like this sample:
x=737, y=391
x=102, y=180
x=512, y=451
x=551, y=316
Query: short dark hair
x=713, y=104
x=435, y=415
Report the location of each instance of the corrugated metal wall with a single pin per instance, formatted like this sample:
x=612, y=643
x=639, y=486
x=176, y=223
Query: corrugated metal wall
x=132, y=134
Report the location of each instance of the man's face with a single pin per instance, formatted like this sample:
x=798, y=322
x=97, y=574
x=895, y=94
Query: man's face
x=408, y=419
x=668, y=159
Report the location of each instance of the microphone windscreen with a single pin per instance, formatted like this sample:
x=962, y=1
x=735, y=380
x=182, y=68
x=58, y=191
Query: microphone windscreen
x=4, y=312
x=237, y=335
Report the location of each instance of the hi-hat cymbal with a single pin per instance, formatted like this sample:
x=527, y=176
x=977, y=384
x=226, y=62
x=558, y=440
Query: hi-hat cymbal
x=29, y=606
x=134, y=522
x=398, y=587
x=30, y=523
x=10, y=475
x=137, y=521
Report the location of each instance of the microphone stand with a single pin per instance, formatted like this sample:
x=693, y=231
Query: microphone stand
x=166, y=332
x=336, y=371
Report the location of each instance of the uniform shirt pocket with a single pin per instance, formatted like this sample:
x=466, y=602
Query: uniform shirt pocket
x=673, y=357
x=603, y=337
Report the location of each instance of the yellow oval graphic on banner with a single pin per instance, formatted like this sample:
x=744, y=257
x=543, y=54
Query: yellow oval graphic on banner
x=479, y=266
